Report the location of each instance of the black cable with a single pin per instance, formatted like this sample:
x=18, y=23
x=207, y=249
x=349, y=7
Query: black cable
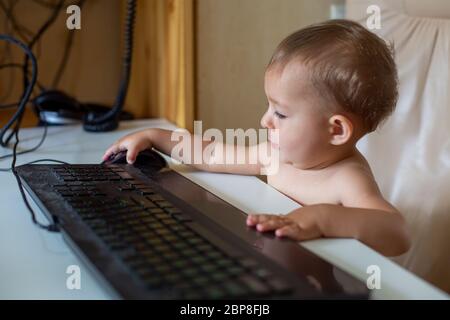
x=11, y=105
x=18, y=65
x=17, y=28
x=49, y=227
x=40, y=32
x=6, y=92
x=123, y=88
x=27, y=91
x=35, y=161
x=15, y=104
x=26, y=95
x=7, y=56
x=9, y=13
x=29, y=150
x=18, y=116
x=63, y=62
x=56, y=8
x=10, y=65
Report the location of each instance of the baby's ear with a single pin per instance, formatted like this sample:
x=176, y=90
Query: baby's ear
x=340, y=129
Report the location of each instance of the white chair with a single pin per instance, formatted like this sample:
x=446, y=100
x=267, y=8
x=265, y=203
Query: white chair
x=410, y=152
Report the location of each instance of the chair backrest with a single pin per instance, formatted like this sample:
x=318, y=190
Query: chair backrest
x=410, y=152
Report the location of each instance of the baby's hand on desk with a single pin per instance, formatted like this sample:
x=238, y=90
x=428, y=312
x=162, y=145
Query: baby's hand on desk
x=300, y=224
x=132, y=143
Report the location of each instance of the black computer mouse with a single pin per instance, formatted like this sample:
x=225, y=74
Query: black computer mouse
x=147, y=158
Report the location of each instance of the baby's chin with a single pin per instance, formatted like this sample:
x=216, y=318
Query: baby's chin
x=298, y=163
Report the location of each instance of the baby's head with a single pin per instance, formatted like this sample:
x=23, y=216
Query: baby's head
x=328, y=85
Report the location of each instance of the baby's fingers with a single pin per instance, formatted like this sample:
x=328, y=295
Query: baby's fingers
x=272, y=224
x=292, y=231
x=132, y=153
x=115, y=148
x=254, y=219
x=295, y=232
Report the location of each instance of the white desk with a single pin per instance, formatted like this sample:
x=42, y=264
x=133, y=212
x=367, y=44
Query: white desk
x=33, y=262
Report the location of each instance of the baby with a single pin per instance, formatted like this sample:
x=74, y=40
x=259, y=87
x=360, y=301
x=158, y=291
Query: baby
x=327, y=85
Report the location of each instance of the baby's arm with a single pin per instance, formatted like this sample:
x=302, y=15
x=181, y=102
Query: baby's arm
x=364, y=215
x=161, y=140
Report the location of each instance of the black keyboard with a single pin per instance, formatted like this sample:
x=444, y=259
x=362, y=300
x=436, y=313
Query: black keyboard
x=148, y=243
x=152, y=238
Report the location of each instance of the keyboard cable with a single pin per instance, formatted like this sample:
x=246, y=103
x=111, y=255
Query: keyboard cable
x=52, y=227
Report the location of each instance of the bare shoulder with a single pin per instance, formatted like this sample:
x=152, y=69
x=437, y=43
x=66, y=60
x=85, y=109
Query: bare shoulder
x=354, y=172
x=357, y=186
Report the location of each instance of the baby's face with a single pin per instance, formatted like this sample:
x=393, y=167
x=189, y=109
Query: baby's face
x=294, y=109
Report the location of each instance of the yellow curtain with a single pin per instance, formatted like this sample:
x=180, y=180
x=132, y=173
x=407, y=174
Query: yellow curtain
x=162, y=79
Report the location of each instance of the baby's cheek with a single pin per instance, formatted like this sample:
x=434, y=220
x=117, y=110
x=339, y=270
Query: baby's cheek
x=292, y=145
x=295, y=151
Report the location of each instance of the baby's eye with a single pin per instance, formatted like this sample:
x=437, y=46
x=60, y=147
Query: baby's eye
x=279, y=115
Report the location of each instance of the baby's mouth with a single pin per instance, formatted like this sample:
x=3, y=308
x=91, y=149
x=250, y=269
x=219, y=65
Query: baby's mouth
x=273, y=144
x=273, y=139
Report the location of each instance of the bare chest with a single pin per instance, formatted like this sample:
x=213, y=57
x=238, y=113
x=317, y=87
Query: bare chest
x=306, y=188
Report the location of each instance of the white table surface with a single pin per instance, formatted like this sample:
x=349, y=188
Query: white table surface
x=33, y=262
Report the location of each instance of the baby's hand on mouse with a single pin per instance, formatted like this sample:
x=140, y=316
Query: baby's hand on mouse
x=300, y=224
x=132, y=143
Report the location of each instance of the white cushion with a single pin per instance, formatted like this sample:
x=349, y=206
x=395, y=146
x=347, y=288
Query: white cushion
x=410, y=153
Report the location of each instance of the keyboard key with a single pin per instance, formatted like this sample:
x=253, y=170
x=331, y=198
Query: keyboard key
x=155, y=197
x=279, y=285
x=224, y=262
x=162, y=248
x=163, y=269
x=235, y=289
x=145, y=192
x=180, y=263
x=155, y=241
x=249, y=263
x=173, y=278
x=190, y=272
x=182, y=217
x=254, y=284
x=173, y=210
x=263, y=273
x=163, y=232
x=155, y=225
x=148, y=219
x=171, y=256
x=124, y=175
x=164, y=204
x=235, y=270
x=180, y=245
x=200, y=280
x=143, y=202
x=153, y=281
x=198, y=259
x=170, y=237
x=195, y=241
x=154, y=259
x=209, y=267
x=215, y=292
x=192, y=295
x=155, y=210
x=219, y=276
x=161, y=215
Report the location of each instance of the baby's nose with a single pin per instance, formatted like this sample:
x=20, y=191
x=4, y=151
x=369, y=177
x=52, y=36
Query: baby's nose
x=266, y=121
